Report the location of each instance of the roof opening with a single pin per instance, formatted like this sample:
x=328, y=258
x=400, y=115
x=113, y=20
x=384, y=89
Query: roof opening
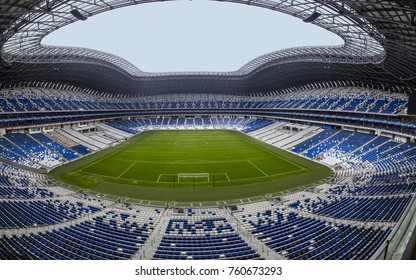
x=191, y=35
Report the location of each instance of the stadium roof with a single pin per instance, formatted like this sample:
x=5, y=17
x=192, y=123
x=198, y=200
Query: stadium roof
x=379, y=51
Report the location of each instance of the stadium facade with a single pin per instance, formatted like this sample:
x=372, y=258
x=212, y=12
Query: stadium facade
x=350, y=107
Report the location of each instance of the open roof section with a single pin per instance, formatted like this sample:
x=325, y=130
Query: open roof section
x=380, y=51
x=190, y=35
x=24, y=43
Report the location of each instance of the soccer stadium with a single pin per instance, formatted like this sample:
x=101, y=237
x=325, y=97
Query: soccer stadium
x=306, y=153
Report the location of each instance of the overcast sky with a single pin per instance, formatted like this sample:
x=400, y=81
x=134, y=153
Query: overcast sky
x=191, y=35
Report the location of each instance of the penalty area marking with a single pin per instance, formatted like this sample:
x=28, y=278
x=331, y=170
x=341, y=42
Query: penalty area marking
x=228, y=178
x=270, y=152
x=127, y=169
x=257, y=168
x=218, y=174
x=162, y=175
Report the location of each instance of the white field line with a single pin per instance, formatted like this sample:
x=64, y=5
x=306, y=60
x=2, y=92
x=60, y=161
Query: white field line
x=257, y=168
x=146, y=181
x=227, y=177
x=164, y=175
x=273, y=154
x=127, y=169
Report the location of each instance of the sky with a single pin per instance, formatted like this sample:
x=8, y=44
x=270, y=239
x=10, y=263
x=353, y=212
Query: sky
x=190, y=35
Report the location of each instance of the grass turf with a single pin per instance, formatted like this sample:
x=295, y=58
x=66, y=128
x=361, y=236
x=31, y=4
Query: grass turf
x=147, y=167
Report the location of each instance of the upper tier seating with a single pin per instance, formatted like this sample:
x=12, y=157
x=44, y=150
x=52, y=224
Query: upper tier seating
x=136, y=125
x=332, y=99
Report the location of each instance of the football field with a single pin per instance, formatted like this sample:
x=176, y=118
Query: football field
x=177, y=165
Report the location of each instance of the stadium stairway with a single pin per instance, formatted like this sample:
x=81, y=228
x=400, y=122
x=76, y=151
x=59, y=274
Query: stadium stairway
x=259, y=133
x=149, y=248
x=113, y=131
x=294, y=139
x=261, y=249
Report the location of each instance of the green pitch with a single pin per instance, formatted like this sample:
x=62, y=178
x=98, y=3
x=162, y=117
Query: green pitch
x=202, y=165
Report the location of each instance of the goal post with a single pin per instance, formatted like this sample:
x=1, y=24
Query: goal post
x=193, y=177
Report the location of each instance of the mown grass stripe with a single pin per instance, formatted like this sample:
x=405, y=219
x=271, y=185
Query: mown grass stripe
x=134, y=168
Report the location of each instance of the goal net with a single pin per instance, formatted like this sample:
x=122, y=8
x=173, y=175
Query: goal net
x=193, y=177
